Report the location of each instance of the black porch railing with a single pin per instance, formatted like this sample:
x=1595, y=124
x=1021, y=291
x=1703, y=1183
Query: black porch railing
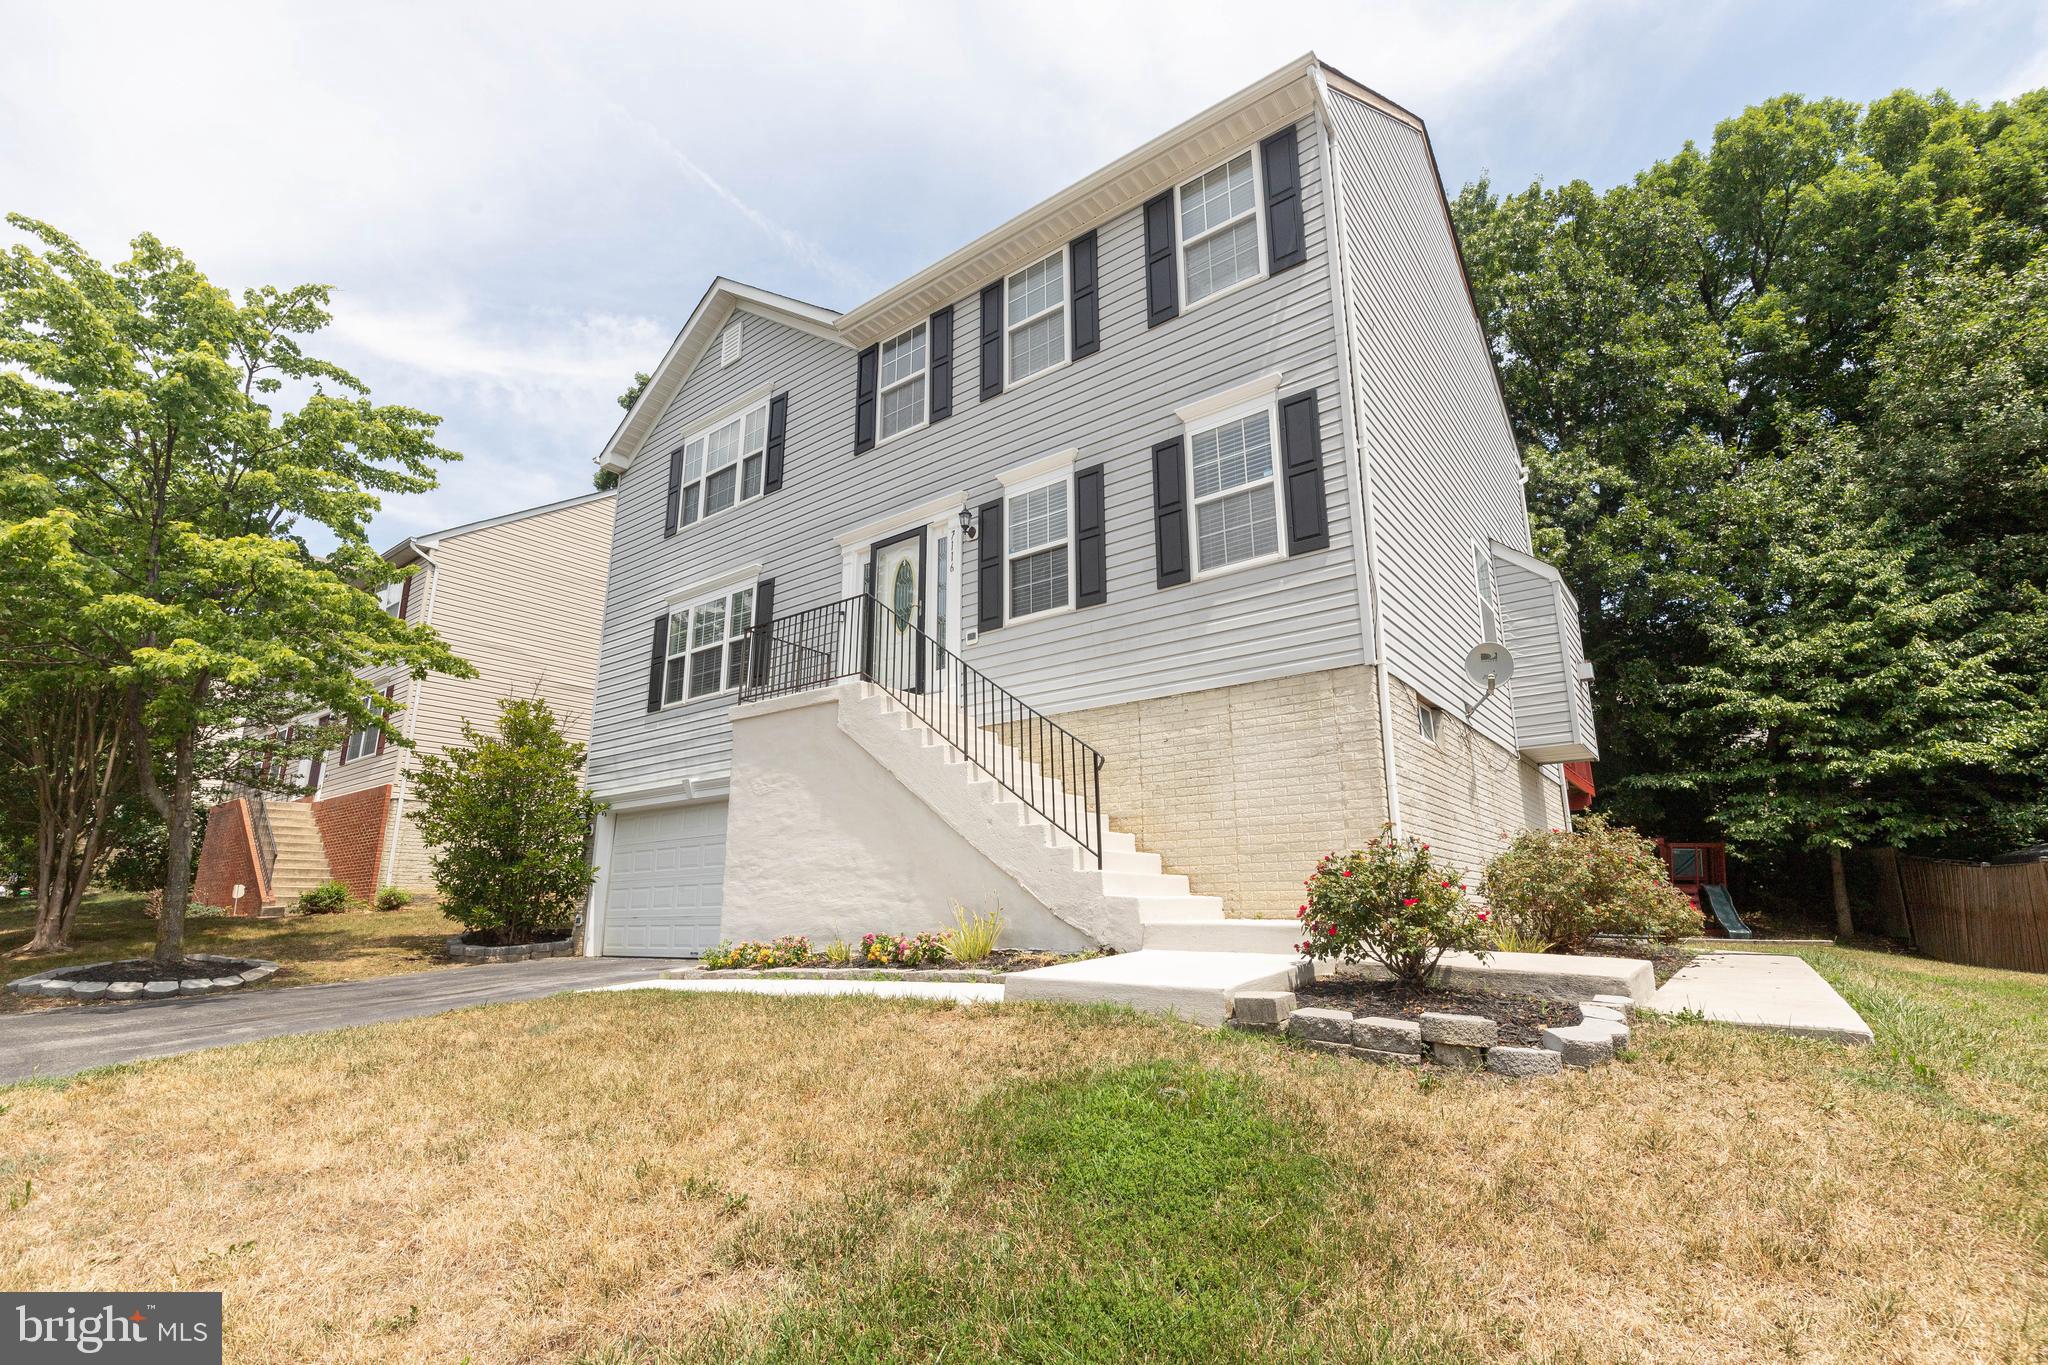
x=1052, y=771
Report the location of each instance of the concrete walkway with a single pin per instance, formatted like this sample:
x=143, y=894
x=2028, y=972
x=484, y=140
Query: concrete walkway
x=1771, y=991
x=973, y=992
x=59, y=1041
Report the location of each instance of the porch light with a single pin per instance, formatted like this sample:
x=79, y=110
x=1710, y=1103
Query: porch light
x=967, y=526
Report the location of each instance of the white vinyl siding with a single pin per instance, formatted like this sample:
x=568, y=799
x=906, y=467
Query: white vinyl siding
x=1036, y=329
x=1446, y=469
x=1234, y=491
x=1284, y=617
x=1219, y=229
x=904, y=363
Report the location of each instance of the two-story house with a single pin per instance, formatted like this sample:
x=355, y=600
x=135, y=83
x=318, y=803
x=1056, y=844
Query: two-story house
x=1111, y=569
x=519, y=597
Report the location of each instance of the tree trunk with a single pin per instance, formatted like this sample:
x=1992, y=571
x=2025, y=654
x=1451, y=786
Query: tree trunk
x=170, y=925
x=1845, y=925
x=77, y=755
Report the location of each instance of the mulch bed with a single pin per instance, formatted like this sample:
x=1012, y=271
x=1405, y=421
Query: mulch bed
x=146, y=969
x=1521, y=1020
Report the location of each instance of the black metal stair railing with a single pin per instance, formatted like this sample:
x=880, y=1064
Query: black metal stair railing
x=1035, y=759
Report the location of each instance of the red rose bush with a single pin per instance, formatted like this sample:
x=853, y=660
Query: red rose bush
x=1393, y=903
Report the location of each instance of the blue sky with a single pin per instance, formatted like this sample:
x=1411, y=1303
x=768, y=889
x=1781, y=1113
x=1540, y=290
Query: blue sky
x=519, y=204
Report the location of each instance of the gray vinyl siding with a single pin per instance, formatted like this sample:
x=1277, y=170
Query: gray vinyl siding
x=1530, y=621
x=1295, y=615
x=1445, y=467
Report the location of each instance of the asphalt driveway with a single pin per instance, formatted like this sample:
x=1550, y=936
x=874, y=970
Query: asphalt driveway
x=57, y=1042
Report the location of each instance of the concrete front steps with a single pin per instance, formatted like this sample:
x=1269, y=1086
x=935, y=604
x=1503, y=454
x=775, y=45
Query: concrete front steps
x=301, y=856
x=1197, y=986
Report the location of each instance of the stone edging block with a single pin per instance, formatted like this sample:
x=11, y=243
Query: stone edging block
x=516, y=952
x=53, y=983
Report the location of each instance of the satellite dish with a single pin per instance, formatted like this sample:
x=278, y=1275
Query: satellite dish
x=1488, y=666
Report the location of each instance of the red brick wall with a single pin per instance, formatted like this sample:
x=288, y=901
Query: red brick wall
x=227, y=857
x=352, y=829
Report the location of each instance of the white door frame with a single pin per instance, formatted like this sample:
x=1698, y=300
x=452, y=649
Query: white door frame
x=941, y=522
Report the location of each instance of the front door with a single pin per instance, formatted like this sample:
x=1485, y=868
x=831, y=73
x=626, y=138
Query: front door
x=895, y=644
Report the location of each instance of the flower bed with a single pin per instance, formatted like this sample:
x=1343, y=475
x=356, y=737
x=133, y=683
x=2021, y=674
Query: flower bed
x=990, y=968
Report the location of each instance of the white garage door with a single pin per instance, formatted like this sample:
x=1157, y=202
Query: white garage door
x=667, y=881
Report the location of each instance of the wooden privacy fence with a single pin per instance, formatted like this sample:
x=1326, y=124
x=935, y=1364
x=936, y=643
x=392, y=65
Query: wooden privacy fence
x=1974, y=913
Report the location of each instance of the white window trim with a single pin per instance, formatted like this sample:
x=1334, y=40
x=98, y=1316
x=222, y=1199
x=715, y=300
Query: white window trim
x=1180, y=247
x=1268, y=403
x=1053, y=469
x=1423, y=706
x=1485, y=599
x=729, y=415
x=923, y=372
x=685, y=606
x=1064, y=307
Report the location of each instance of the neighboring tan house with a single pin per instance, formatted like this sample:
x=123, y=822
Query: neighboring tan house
x=1111, y=569
x=519, y=597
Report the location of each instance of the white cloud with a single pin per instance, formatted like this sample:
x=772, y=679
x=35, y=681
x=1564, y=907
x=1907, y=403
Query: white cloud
x=520, y=204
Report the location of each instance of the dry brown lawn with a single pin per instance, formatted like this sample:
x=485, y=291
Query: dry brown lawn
x=648, y=1176
x=312, y=948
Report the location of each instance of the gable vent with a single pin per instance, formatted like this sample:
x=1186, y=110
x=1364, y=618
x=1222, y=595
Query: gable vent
x=729, y=342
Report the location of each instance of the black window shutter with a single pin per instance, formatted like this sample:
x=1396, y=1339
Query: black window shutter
x=778, y=430
x=657, y=668
x=1162, y=273
x=1285, y=244
x=757, y=638
x=1170, y=512
x=992, y=341
x=988, y=606
x=867, y=371
x=1091, y=545
x=675, y=491
x=1301, y=451
x=1086, y=320
x=404, y=596
x=940, y=335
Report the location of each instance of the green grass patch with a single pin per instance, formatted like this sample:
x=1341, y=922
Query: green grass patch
x=1157, y=1212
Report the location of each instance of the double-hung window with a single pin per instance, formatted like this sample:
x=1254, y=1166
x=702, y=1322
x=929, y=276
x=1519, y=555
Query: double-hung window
x=707, y=645
x=905, y=360
x=1039, y=544
x=362, y=743
x=1235, y=494
x=724, y=466
x=1219, y=229
x=1035, y=327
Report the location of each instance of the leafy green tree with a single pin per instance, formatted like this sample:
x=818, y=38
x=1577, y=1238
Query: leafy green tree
x=181, y=444
x=1823, y=283
x=508, y=823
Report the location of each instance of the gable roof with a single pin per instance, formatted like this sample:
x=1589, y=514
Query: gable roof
x=413, y=547
x=707, y=320
x=1225, y=127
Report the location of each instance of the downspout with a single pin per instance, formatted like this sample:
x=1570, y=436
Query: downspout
x=1365, y=524
x=387, y=865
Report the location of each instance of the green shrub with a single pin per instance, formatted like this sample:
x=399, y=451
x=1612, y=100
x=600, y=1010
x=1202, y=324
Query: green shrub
x=973, y=938
x=328, y=898
x=197, y=911
x=839, y=952
x=507, y=819
x=903, y=950
x=1392, y=903
x=392, y=898
x=1510, y=937
x=1568, y=885
x=791, y=950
